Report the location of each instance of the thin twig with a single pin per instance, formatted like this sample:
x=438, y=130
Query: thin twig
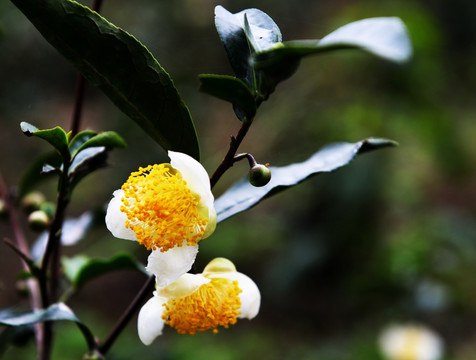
x=78, y=105
x=81, y=88
x=141, y=296
x=34, y=288
x=229, y=158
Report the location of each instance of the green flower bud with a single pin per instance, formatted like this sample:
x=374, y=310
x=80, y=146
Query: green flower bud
x=32, y=201
x=259, y=175
x=48, y=208
x=38, y=220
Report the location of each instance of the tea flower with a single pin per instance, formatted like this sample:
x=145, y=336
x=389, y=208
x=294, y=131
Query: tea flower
x=410, y=342
x=199, y=302
x=168, y=208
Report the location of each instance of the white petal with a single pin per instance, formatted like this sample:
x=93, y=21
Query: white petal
x=168, y=266
x=419, y=341
x=149, y=321
x=212, y=222
x=250, y=296
x=193, y=173
x=185, y=285
x=116, y=219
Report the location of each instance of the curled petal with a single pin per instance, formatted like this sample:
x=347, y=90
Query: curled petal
x=168, y=266
x=212, y=221
x=250, y=296
x=198, y=181
x=149, y=321
x=185, y=285
x=116, y=219
x=193, y=173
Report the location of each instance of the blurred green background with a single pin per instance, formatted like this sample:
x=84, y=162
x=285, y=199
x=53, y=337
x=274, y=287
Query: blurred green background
x=390, y=238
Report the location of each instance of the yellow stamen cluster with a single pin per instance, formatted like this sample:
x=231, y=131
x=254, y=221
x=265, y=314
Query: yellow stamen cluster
x=212, y=305
x=161, y=209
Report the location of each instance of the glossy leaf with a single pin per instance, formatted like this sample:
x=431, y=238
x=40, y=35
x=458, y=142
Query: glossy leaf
x=82, y=159
x=230, y=89
x=85, y=162
x=261, y=33
x=386, y=37
x=81, y=269
x=79, y=140
x=242, y=195
x=120, y=66
x=18, y=336
x=56, y=137
x=108, y=139
x=55, y=312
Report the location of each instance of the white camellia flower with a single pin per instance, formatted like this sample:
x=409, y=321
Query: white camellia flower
x=168, y=208
x=410, y=342
x=199, y=302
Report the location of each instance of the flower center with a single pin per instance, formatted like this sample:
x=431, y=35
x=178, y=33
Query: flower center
x=410, y=345
x=161, y=210
x=213, y=304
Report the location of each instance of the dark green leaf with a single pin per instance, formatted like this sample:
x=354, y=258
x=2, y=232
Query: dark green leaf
x=56, y=137
x=261, y=33
x=79, y=140
x=34, y=173
x=108, y=139
x=230, y=89
x=55, y=312
x=243, y=195
x=17, y=336
x=86, y=162
x=120, y=66
x=385, y=37
x=81, y=160
x=81, y=269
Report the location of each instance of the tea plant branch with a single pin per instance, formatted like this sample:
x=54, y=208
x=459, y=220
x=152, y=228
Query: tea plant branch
x=53, y=250
x=22, y=246
x=229, y=158
x=81, y=88
x=127, y=315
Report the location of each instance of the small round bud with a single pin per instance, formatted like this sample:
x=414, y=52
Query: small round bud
x=38, y=220
x=32, y=201
x=259, y=175
x=49, y=208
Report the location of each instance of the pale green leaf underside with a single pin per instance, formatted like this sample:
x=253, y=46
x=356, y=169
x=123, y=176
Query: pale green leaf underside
x=386, y=37
x=55, y=312
x=242, y=195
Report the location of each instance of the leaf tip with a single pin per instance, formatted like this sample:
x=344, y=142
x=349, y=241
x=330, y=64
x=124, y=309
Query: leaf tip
x=27, y=128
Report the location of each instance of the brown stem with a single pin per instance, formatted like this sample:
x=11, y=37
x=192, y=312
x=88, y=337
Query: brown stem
x=80, y=89
x=34, y=286
x=78, y=105
x=229, y=158
x=127, y=315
